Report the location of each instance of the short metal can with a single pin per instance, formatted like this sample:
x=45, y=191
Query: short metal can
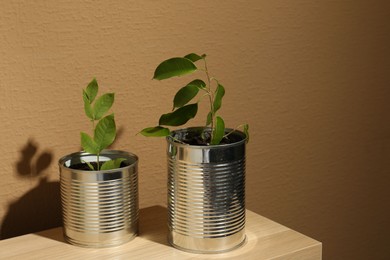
x=99, y=208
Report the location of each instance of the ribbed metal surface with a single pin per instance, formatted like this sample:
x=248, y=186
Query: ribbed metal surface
x=100, y=208
x=206, y=196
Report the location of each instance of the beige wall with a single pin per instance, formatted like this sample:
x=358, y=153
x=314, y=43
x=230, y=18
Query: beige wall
x=310, y=77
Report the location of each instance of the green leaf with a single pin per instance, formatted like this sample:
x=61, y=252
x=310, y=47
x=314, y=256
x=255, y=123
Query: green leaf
x=112, y=164
x=157, y=131
x=174, y=67
x=219, y=131
x=88, y=144
x=89, y=165
x=246, y=132
x=198, y=83
x=209, y=119
x=87, y=106
x=179, y=116
x=219, y=93
x=92, y=90
x=194, y=57
x=184, y=95
x=103, y=104
x=105, y=132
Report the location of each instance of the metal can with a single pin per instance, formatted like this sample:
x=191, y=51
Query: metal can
x=206, y=194
x=99, y=208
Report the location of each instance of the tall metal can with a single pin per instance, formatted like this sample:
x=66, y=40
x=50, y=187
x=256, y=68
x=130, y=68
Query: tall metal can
x=206, y=194
x=99, y=208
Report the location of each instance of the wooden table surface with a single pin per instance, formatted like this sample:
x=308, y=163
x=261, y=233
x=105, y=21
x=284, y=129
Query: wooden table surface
x=266, y=239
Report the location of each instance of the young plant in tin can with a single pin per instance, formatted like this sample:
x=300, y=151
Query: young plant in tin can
x=103, y=126
x=183, y=110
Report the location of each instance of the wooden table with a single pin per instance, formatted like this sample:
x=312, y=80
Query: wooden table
x=266, y=239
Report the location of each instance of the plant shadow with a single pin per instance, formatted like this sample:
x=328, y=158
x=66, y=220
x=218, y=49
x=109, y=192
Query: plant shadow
x=39, y=208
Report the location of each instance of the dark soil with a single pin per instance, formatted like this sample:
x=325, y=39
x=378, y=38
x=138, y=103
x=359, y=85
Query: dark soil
x=85, y=167
x=204, y=138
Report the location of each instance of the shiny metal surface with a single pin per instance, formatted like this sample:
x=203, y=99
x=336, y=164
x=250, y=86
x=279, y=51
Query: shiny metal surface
x=206, y=195
x=99, y=208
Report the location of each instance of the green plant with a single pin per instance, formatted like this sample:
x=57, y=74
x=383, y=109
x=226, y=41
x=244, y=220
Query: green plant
x=104, y=132
x=182, y=110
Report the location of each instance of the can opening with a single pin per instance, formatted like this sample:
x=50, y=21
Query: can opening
x=201, y=136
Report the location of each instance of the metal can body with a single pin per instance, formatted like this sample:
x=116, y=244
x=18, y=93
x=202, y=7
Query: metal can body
x=99, y=208
x=206, y=195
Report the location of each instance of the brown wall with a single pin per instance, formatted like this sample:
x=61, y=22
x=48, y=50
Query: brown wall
x=311, y=78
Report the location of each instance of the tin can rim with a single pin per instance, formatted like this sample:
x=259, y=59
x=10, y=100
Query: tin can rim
x=106, y=152
x=240, y=134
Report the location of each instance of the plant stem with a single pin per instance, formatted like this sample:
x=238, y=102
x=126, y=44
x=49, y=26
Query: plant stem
x=98, y=163
x=210, y=96
x=235, y=129
x=200, y=99
x=177, y=140
x=97, y=156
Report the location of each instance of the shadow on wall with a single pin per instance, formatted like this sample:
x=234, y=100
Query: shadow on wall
x=39, y=208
